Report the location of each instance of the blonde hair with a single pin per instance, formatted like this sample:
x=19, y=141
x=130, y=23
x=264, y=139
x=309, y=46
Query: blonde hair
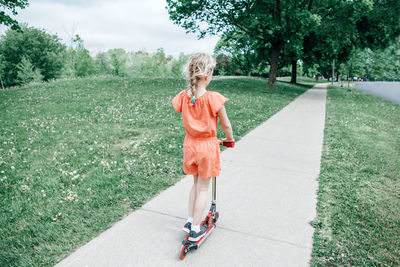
x=198, y=65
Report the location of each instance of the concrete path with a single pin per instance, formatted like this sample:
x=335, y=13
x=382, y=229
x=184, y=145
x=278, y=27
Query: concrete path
x=266, y=196
x=386, y=90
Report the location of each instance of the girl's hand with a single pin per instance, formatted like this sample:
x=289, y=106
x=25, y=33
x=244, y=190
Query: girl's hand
x=226, y=140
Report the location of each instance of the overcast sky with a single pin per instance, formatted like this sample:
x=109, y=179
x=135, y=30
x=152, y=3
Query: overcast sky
x=104, y=24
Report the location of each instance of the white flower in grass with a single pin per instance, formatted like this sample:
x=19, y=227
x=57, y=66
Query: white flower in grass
x=24, y=187
x=72, y=196
x=12, y=168
x=58, y=215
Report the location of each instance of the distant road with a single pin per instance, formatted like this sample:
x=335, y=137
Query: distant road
x=386, y=90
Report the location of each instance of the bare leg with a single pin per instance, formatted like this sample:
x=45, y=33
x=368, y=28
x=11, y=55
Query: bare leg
x=192, y=196
x=201, y=199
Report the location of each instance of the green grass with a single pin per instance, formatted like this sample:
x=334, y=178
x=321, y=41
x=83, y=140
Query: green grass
x=358, y=210
x=78, y=155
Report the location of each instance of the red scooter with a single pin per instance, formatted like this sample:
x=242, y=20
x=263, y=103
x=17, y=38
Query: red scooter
x=210, y=219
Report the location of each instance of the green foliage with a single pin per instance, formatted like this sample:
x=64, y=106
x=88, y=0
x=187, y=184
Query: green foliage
x=27, y=72
x=281, y=32
x=118, y=59
x=349, y=25
x=118, y=62
x=224, y=65
x=313, y=70
x=379, y=23
x=12, y=6
x=84, y=64
x=102, y=61
x=383, y=64
x=177, y=65
x=78, y=61
x=43, y=50
x=2, y=64
x=242, y=58
x=354, y=66
x=266, y=27
x=374, y=65
x=156, y=65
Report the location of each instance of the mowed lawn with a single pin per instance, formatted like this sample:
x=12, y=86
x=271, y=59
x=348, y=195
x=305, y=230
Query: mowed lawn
x=78, y=155
x=358, y=210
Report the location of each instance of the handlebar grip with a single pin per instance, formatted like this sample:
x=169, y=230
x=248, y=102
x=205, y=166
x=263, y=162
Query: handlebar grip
x=228, y=144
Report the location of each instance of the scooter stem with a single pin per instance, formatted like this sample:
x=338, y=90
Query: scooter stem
x=214, y=190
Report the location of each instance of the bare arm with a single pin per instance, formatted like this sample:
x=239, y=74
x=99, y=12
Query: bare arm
x=226, y=124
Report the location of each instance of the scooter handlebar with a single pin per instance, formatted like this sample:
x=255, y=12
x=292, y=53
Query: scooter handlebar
x=227, y=143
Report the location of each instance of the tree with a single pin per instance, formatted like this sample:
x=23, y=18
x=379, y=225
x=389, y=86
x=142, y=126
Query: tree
x=378, y=26
x=11, y=5
x=354, y=66
x=2, y=66
x=83, y=62
x=224, y=65
x=177, y=65
x=239, y=49
x=102, y=62
x=382, y=63
x=27, y=72
x=43, y=50
x=156, y=64
x=312, y=71
x=78, y=63
x=284, y=31
x=348, y=25
x=269, y=25
x=118, y=58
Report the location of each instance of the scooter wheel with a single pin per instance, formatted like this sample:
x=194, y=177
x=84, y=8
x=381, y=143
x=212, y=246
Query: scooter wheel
x=216, y=217
x=184, y=251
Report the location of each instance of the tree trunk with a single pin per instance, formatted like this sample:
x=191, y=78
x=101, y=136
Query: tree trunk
x=1, y=80
x=294, y=71
x=276, y=50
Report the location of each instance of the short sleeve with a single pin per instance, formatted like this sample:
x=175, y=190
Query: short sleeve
x=216, y=102
x=177, y=101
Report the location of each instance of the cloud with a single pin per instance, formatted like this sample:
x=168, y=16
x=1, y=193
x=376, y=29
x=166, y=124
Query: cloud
x=106, y=24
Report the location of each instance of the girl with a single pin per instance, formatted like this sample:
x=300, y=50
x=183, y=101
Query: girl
x=200, y=112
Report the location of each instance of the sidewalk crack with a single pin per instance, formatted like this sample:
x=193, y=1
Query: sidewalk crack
x=235, y=231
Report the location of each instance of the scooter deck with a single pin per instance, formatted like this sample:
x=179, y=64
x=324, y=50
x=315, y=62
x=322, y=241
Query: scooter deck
x=198, y=242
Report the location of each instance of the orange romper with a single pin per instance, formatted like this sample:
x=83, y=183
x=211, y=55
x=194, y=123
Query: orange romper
x=200, y=147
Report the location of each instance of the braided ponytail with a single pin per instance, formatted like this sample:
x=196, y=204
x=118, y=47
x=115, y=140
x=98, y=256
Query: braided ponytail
x=198, y=65
x=192, y=86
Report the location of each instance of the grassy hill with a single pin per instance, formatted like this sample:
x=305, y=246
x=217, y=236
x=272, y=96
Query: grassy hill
x=78, y=155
